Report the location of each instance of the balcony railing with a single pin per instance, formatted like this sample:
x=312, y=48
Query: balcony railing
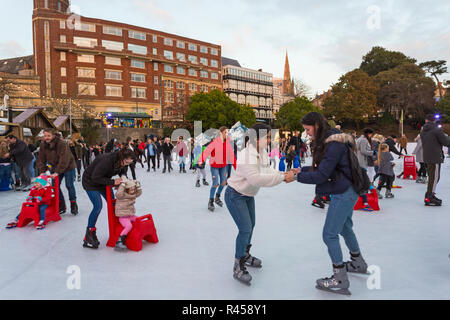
x=233, y=77
x=248, y=93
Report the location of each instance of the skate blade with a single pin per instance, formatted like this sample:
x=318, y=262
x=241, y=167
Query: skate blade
x=85, y=245
x=317, y=206
x=344, y=292
x=256, y=267
x=248, y=284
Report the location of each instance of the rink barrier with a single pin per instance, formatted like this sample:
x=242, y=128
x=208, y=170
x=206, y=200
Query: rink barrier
x=143, y=228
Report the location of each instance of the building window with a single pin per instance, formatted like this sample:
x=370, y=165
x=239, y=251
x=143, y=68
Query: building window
x=139, y=91
x=63, y=88
x=181, y=70
x=214, y=51
x=59, y=6
x=155, y=79
x=87, y=58
x=82, y=26
x=137, y=49
x=204, y=74
x=138, y=64
x=86, y=73
x=192, y=87
x=86, y=89
x=112, y=31
x=155, y=51
x=192, y=47
x=62, y=24
x=138, y=77
x=168, y=84
x=204, y=61
x=156, y=94
x=137, y=35
x=113, y=91
x=46, y=4
x=112, y=45
x=192, y=59
x=155, y=66
x=85, y=42
x=63, y=72
x=169, y=97
x=155, y=39
x=214, y=76
x=168, y=68
x=114, y=61
x=214, y=63
x=203, y=49
x=168, y=54
x=63, y=56
x=181, y=85
x=203, y=88
x=193, y=72
x=181, y=44
x=168, y=42
x=113, y=75
x=181, y=57
x=62, y=38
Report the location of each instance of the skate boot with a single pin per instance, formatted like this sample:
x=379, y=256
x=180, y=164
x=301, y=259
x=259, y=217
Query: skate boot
x=73, y=208
x=436, y=198
x=317, y=202
x=90, y=239
x=184, y=170
x=389, y=195
x=380, y=196
x=338, y=283
x=62, y=207
x=419, y=180
x=211, y=205
x=357, y=264
x=181, y=170
x=251, y=261
x=430, y=201
x=367, y=208
x=12, y=224
x=120, y=244
x=198, y=184
x=205, y=183
x=240, y=272
x=425, y=180
x=41, y=225
x=326, y=199
x=218, y=201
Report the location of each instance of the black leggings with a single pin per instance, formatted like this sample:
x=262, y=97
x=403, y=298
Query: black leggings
x=78, y=162
x=152, y=158
x=386, y=182
x=422, y=170
x=133, y=170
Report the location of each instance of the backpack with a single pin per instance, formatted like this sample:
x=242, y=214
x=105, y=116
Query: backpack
x=360, y=180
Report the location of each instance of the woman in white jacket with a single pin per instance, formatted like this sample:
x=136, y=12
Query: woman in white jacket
x=253, y=171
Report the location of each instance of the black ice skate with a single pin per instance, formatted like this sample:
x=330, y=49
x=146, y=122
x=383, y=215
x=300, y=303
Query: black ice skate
x=218, y=201
x=251, y=261
x=205, y=183
x=90, y=239
x=430, y=201
x=317, y=202
x=120, y=244
x=73, y=208
x=211, y=205
x=198, y=184
x=389, y=195
x=240, y=272
x=62, y=207
x=338, y=283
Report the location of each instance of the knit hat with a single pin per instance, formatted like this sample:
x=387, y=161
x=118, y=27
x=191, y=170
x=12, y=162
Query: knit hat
x=41, y=180
x=128, y=183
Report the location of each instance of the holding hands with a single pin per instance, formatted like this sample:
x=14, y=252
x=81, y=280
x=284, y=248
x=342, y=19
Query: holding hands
x=290, y=176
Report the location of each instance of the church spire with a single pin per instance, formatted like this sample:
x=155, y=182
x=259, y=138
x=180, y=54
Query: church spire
x=287, y=81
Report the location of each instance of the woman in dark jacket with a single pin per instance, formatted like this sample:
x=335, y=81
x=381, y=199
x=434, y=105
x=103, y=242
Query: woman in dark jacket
x=331, y=173
x=95, y=180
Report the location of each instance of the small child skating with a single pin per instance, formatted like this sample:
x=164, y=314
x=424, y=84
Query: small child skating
x=274, y=154
x=41, y=193
x=290, y=157
x=386, y=171
x=126, y=196
x=200, y=169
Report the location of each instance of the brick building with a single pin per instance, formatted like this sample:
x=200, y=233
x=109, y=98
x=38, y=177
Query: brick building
x=117, y=67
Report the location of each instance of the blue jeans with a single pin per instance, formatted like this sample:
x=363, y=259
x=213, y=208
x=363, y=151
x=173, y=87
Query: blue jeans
x=5, y=173
x=218, y=173
x=182, y=162
x=242, y=209
x=42, y=209
x=339, y=222
x=32, y=171
x=96, y=199
x=69, y=176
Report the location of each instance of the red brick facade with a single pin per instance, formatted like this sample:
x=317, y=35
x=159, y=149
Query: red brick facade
x=50, y=25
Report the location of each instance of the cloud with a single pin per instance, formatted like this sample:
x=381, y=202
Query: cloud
x=11, y=49
x=154, y=10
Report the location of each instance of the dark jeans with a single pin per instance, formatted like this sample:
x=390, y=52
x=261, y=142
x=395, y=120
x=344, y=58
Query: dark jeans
x=434, y=175
x=158, y=158
x=78, y=163
x=96, y=199
x=339, y=222
x=25, y=172
x=152, y=159
x=242, y=209
x=133, y=170
x=5, y=173
x=167, y=161
x=69, y=177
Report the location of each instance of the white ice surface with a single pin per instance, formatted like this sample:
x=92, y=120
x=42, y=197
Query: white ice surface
x=195, y=255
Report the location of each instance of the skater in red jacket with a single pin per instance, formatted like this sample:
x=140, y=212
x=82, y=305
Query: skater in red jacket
x=41, y=193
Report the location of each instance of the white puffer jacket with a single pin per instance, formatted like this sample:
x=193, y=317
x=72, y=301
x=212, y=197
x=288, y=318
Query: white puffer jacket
x=253, y=171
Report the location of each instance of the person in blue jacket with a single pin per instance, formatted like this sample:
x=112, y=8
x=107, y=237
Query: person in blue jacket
x=151, y=150
x=331, y=173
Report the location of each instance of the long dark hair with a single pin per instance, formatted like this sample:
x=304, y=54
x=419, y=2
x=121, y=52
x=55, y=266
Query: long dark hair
x=122, y=155
x=318, y=144
x=366, y=133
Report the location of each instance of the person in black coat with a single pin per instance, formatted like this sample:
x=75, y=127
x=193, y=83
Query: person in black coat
x=166, y=150
x=21, y=155
x=433, y=139
x=296, y=141
x=96, y=178
x=391, y=141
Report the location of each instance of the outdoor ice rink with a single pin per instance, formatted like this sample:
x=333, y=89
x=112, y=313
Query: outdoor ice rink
x=194, y=258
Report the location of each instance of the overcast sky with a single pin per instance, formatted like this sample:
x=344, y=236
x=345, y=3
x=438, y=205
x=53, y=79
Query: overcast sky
x=324, y=38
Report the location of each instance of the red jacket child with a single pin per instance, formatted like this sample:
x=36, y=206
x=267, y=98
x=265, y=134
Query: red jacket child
x=40, y=193
x=221, y=152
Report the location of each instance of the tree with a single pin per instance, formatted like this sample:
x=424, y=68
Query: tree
x=435, y=68
x=379, y=59
x=291, y=114
x=89, y=128
x=300, y=88
x=354, y=97
x=444, y=107
x=215, y=109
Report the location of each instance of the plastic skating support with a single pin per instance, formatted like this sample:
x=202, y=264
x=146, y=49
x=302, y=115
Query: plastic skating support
x=409, y=168
x=372, y=199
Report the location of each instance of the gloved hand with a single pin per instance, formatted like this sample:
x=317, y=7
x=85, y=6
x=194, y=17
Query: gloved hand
x=29, y=199
x=39, y=199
